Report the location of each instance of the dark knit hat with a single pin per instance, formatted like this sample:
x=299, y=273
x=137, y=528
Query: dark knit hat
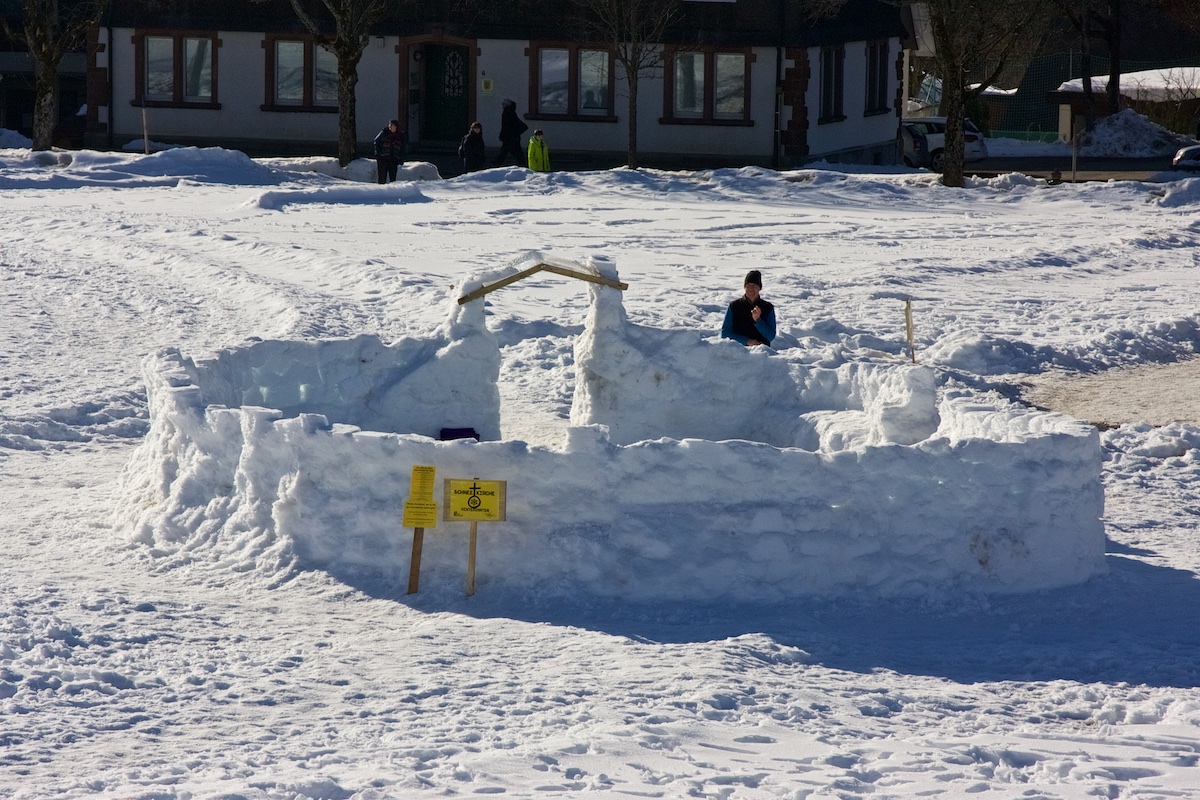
x=755, y=277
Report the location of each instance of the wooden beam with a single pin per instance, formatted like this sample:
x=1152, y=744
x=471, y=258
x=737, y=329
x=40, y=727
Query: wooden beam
x=585, y=276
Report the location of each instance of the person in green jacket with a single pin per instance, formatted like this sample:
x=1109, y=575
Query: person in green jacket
x=539, y=154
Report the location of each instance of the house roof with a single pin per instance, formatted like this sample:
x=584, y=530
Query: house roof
x=1156, y=85
x=743, y=23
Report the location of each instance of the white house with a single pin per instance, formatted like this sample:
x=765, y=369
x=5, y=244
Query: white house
x=741, y=82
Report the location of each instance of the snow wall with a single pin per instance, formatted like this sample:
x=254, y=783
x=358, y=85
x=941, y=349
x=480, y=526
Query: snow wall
x=770, y=480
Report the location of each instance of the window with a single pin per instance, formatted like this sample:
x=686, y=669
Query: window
x=833, y=64
x=877, y=78
x=572, y=81
x=176, y=69
x=554, y=86
x=707, y=87
x=593, y=82
x=689, y=85
x=301, y=76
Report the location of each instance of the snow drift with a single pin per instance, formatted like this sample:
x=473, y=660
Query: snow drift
x=693, y=468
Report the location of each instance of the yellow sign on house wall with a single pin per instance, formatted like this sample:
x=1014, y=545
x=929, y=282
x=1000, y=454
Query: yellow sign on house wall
x=474, y=500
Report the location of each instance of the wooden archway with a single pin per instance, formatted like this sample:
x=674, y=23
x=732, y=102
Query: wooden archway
x=525, y=273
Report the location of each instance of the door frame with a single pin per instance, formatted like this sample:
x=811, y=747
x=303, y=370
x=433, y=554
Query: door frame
x=404, y=50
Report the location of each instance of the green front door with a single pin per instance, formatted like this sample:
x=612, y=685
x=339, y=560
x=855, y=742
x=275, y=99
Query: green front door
x=446, y=87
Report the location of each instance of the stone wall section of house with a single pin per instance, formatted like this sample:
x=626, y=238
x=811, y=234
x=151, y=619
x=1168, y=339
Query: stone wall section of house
x=794, y=136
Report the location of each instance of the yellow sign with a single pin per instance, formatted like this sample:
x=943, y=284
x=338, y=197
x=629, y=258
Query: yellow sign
x=474, y=500
x=420, y=515
x=422, y=484
x=420, y=511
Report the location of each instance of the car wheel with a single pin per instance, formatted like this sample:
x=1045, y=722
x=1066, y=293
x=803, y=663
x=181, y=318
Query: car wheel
x=937, y=160
x=908, y=162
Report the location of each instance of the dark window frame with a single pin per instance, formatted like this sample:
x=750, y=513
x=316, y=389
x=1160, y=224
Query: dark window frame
x=308, y=102
x=878, y=78
x=708, y=117
x=177, y=35
x=533, y=55
x=833, y=84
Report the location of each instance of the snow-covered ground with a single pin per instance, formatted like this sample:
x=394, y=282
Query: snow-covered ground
x=126, y=673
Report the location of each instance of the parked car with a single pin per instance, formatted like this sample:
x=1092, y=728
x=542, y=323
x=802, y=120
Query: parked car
x=1187, y=158
x=922, y=142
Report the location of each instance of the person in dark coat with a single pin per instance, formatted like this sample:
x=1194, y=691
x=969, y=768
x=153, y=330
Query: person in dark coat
x=511, y=128
x=389, y=151
x=750, y=319
x=471, y=150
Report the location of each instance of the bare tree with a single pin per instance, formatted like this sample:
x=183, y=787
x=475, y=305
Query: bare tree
x=633, y=30
x=1185, y=12
x=973, y=41
x=51, y=30
x=814, y=10
x=1097, y=20
x=352, y=23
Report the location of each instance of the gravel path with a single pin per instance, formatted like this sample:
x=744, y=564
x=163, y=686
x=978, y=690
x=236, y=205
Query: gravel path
x=1158, y=394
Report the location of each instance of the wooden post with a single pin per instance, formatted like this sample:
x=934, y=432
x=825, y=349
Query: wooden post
x=908, y=329
x=471, y=558
x=414, y=564
x=1075, y=158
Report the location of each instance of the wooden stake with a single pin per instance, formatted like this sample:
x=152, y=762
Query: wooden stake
x=471, y=558
x=414, y=564
x=908, y=329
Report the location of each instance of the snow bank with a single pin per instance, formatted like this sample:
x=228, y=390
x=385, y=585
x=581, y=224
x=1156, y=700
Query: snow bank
x=69, y=169
x=1128, y=134
x=274, y=200
x=693, y=469
x=361, y=170
x=11, y=140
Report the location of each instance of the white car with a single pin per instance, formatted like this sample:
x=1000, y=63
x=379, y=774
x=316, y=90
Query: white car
x=1187, y=158
x=923, y=142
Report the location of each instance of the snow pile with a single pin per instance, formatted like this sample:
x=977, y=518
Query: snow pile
x=286, y=455
x=177, y=167
x=10, y=140
x=397, y=192
x=361, y=170
x=1128, y=134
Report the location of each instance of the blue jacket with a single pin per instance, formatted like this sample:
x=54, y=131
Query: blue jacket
x=740, y=326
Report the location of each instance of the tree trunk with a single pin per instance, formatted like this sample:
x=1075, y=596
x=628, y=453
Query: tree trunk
x=633, y=120
x=950, y=63
x=1085, y=65
x=45, y=106
x=1113, y=36
x=347, y=105
x=953, y=104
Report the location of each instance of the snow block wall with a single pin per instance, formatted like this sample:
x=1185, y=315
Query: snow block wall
x=646, y=383
x=885, y=486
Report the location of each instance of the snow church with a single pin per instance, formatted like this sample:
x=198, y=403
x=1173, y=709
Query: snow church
x=692, y=468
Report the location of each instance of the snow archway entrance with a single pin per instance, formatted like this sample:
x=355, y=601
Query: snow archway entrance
x=693, y=468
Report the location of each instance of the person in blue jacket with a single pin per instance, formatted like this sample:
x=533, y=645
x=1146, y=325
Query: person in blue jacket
x=750, y=319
